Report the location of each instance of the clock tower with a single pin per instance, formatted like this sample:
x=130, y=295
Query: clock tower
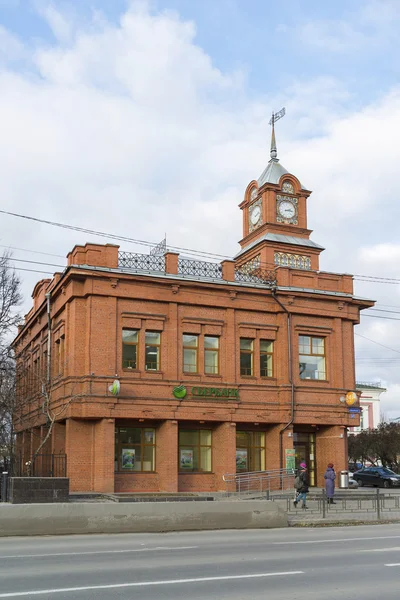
x=275, y=219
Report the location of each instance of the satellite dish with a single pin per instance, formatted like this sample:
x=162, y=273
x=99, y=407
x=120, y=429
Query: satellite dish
x=115, y=387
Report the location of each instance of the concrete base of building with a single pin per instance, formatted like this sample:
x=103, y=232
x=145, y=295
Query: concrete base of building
x=82, y=518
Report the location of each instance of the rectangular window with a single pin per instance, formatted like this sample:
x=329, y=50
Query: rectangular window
x=246, y=357
x=211, y=355
x=266, y=358
x=195, y=450
x=130, y=342
x=312, y=357
x=59, y=357
x=190, y=353
x=250, y=451
x=152, y=351
x=135, y=449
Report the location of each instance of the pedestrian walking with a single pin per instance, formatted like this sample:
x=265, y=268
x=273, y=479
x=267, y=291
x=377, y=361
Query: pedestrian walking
x=330, y=477
x=301, y=485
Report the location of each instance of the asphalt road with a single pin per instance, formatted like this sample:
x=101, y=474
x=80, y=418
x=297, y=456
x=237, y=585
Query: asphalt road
x=281, y=564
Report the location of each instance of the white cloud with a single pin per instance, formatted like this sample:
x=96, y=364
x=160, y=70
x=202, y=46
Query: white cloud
x=61, y=25
x=132, y=129
x=11, y=49
x=370, y=27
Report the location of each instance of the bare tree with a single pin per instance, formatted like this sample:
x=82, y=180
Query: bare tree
x=10, y=299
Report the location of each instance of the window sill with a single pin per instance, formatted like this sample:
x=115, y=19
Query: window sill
x=135, y=472
x=195, y=472
x=248, y=377
x=314, y=381
x=213, y=375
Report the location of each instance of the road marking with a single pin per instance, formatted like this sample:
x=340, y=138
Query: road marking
x=395, y=548
x=99, y=552
x=145, y=584
x=354, y=539
x=393, y=565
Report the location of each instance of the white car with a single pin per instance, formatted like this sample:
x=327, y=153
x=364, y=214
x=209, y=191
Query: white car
x=352, y=482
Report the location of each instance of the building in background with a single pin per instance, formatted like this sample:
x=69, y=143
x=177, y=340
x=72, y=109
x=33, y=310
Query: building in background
x=371, y=414
x=167, y=372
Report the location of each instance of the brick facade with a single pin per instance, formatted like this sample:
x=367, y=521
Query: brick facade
x=96, y=298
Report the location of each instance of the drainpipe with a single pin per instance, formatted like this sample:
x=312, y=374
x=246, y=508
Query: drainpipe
x=290, y=359
x=48, y=296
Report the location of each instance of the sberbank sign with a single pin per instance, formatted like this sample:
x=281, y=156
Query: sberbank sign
x=181, y=391
x=216, y=392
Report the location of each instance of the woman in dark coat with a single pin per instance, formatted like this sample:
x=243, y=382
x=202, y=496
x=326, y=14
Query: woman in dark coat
x=330, y=477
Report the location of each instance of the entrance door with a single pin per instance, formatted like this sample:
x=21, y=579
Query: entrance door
x=304, y=446
x=250, y=451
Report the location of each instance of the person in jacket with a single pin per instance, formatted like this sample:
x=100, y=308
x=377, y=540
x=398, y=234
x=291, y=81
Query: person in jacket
x=301, y=484
x=330, y=477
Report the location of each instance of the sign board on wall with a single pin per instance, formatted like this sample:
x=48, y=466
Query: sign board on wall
x=290, y=459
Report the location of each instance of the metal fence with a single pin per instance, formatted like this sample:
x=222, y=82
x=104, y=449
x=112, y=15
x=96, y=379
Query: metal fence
x=245, y=484
x=43, y=465
x=368, y=505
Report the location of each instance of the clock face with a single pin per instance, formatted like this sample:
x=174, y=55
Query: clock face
x=255, y=215
x=286, y=209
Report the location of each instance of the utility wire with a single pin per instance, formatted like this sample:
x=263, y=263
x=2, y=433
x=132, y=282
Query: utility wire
x=377, y=343
x=366, y=278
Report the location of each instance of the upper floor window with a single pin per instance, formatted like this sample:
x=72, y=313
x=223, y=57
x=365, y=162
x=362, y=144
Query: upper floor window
x=211, y=355
x=312, y=361
x=190, y=353
x=135, y=449
x=130, y=344
x=152, y=351
x=246, y=356
x=59, y=356
x=266, y=358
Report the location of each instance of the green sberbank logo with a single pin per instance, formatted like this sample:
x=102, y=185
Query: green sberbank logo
x=179, y=391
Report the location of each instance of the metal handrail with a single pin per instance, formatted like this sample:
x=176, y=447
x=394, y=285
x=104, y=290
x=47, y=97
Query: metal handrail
x=259, y=481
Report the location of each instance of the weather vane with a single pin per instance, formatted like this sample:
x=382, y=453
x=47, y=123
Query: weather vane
x=275, y=117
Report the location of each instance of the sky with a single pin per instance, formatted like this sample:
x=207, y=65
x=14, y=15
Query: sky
x=141, y=118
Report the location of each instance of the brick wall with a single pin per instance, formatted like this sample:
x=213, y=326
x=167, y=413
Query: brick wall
x=92, y=307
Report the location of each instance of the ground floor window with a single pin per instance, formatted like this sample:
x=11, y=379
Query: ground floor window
x=304, y=446
x=135, y=449
x=250, y=451
x=195, y=450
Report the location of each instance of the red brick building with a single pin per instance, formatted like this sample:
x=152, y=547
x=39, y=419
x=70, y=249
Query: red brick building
x=221, y=367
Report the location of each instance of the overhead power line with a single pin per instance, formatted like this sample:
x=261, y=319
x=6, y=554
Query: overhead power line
x=377, y=343
x=108, y=235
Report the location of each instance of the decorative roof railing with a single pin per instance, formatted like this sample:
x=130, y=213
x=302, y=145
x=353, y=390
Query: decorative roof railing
x=258, y=276
x=369, y=384
x=199, y=268
x=141, y=262
x=147, y=263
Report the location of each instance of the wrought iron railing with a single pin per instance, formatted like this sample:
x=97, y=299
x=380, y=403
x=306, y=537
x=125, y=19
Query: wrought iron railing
x=199, y=268
x=148, y=263
x=259, y=276
x=49, y=465
x=141, y=262
x=42, y=465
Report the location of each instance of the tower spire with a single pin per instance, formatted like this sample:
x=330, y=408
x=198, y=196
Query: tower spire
x=275, y=117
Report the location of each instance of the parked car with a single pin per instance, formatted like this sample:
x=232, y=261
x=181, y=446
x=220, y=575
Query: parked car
x=377, y=477
x=353, y=485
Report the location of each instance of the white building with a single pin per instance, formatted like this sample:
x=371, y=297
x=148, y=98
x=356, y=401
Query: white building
x=370, y=406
